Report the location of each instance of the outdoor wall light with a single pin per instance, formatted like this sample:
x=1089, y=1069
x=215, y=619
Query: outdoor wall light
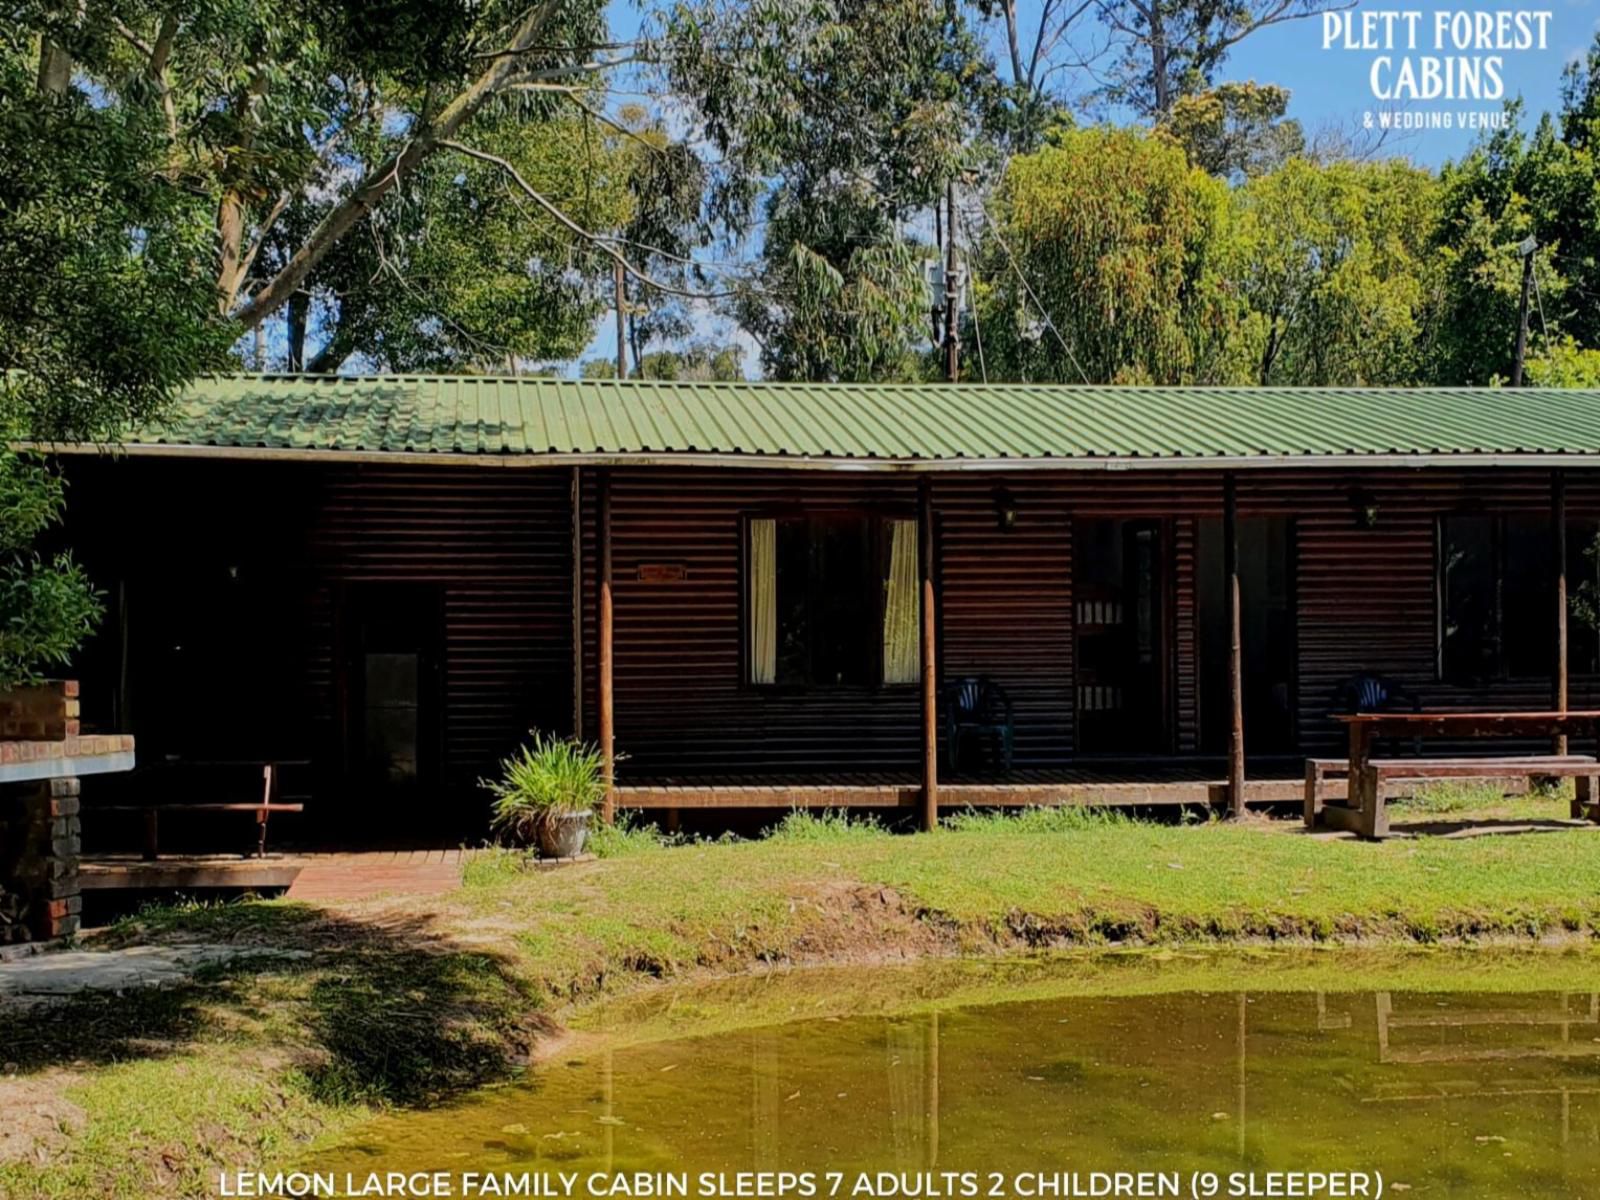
x=1005, y=510
x=1365, y=507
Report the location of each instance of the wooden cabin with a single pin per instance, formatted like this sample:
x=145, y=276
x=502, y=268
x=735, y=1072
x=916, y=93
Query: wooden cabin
x=759, y=594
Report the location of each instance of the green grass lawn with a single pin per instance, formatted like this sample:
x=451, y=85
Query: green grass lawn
x=406, y=1001
x=1048, y=878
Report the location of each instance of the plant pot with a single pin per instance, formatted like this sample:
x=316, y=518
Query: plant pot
x=561, y=835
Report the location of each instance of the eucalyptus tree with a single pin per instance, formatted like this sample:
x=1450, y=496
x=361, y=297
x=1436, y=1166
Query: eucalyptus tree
x=667, y=227
x=834, y=126
x=458, y=270
x=1161, y=50
x=106, y=307
x=311, y=126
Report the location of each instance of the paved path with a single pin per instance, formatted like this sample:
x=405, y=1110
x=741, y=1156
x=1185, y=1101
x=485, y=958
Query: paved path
x=46, y=977
x=331, y=878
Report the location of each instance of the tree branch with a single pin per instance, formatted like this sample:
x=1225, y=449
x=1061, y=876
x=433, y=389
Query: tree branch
x=606, y=245
x=366, y=195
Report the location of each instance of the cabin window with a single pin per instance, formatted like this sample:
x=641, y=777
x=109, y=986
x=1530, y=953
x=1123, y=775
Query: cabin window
x=832, y=600
x=1583, y=597
x=1496, y=610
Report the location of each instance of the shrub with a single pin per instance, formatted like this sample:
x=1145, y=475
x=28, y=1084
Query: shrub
x=543, y=779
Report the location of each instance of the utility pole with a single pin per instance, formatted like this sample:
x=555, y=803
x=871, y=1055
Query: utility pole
x=1525, y=252
x=619, y=281
x=952, y=290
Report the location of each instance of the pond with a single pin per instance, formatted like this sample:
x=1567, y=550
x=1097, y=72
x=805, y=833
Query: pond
x=1441, y=1088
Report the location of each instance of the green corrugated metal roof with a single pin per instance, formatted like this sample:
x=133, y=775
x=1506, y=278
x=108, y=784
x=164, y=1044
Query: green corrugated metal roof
x=514, y=417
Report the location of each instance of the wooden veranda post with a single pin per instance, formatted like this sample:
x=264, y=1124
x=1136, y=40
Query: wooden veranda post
x=1230, y=569
x=603, y=649
x=930, y=666
x=1558, y=520
x=577, y=602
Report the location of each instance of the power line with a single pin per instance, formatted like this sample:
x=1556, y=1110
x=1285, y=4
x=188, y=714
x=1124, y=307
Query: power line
x=1538, y=297
x=972, y=300
x=1032, y=295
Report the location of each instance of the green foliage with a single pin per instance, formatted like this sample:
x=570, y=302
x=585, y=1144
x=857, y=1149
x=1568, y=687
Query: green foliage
x=544, y=778
x=1236, y=130
x=456, y=273
x=830, y=826
x=47, y=608
x=848, y=117
x=667, y=181
x=1512, y=185
x=1119, y=239
x=854, y=307
x=269, y=119
x=1565, y=364
x=1333, y=264
x=811, y=92
x=105, y=303
x=106, y=307
x=1163, y=50
x=627, y=834
x=1153, y=271
x=1058, y=819
x=697, y=362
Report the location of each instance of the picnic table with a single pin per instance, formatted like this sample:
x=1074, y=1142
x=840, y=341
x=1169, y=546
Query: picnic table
x=1367, y=774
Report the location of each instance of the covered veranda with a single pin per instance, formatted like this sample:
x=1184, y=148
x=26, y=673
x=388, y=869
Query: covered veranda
x=598, y=580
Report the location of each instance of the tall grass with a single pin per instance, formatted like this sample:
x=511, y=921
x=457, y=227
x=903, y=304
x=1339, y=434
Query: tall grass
x=1065, y=818
x=628, y=834
x=1468, y=796
x=831, y=825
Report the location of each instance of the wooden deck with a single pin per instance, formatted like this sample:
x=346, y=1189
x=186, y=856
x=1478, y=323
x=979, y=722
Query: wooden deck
x=1199, y=783
x=313, y=877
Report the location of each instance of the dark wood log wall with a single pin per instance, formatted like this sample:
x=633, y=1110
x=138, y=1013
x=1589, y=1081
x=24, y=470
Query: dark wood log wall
x=496, y=543
x=493, y=547
x=1365, y=599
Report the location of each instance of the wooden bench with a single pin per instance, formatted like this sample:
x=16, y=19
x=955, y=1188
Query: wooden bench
x=1320, y=772
x=1366, y=808
x=262, y=809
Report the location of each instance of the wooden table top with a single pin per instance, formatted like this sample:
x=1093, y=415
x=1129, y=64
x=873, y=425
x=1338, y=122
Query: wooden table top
x=1421, y=718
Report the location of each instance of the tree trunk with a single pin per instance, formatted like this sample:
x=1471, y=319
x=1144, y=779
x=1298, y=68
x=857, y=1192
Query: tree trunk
x=230, y=248
x=231, y=209
x=299, y=308
x=334, y=351
x=1158, y=60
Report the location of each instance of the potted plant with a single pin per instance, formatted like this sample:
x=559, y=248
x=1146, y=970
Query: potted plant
x=547, y=792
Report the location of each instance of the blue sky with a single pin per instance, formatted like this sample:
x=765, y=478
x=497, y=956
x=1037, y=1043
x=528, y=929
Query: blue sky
x=1332, y=88
x=1333, y=85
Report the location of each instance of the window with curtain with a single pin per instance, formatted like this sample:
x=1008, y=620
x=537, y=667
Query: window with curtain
x=832, y=599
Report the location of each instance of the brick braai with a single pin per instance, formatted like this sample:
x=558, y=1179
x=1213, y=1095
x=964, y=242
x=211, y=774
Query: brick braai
x=42, y=754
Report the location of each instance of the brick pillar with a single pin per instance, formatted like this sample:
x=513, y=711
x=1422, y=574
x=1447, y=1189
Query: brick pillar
x=47, y=712
x=40, y=844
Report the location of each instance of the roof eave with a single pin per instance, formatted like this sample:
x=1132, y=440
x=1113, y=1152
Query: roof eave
x=792, y=462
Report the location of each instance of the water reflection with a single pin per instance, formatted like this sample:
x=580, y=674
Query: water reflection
x=1458, y=1094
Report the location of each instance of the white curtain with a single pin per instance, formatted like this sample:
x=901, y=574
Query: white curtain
x=763, y=601
x=902, y=607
